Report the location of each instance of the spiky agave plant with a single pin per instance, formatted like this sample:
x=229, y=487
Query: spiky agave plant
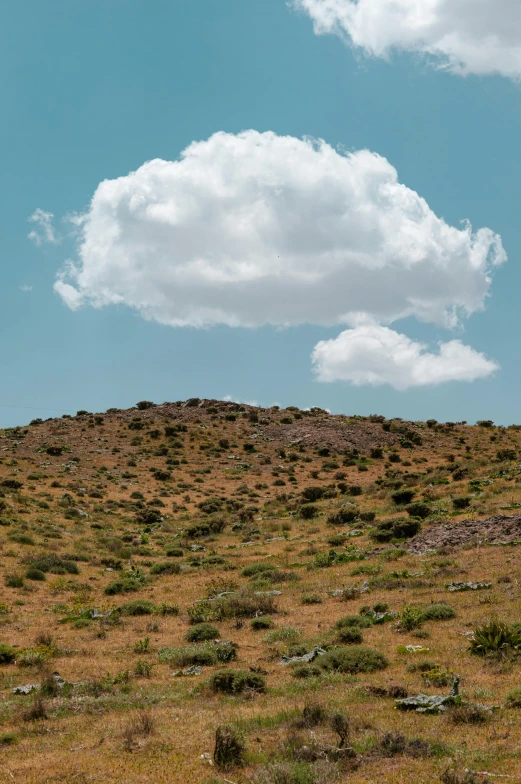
x=495, y=637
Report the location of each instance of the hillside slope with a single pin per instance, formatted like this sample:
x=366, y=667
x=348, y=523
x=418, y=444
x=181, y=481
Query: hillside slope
x=132, y=542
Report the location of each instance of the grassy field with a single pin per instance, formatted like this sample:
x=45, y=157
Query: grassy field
x=136, y=545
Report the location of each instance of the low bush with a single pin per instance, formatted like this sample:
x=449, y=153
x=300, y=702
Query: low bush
x=342, y=517
x=402, y=497
x=419, y=509
x=513, y=698
x=35, y=574
x=353, y=659
x=55, y=565
x=308, y=511
x=438, y=612
x=165, y=568
x=201, y=632
x=237, y=681
x=7, y=653
x=400, y=528
x=351, y=635
x=259, y=624
x=138, y=607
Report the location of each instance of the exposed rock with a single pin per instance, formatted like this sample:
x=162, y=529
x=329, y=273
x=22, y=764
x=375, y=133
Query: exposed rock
x=500, y=529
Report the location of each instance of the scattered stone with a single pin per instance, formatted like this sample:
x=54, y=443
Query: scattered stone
x=457, y=586
x=432, y=703
x=305, y=659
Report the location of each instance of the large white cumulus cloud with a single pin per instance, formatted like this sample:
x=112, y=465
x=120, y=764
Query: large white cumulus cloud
x=376, y=355
x=465, y=36
x=255, y=228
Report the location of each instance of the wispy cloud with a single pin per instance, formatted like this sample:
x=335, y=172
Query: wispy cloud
x=43, y=231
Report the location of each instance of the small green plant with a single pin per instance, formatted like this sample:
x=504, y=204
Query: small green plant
x=411, y=618
x=495, y=637
x=142, y=646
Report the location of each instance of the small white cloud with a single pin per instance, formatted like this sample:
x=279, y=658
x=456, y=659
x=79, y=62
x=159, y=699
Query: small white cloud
x=44, y=229
x=376, y=355
x=463, y=36
x=25, y=288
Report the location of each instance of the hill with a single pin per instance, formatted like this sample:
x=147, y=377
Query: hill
x=161, y=566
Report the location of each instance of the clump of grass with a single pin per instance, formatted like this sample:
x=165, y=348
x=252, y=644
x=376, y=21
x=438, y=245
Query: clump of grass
x=284, y=634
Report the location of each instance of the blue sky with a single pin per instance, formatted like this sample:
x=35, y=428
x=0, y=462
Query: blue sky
x=91, y=92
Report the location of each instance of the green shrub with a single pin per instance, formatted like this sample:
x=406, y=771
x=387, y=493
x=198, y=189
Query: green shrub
x=188, y=656
x=55, y=565
x=403, y=497
x=123, y=585
x=201, y=632
x=261, y=623
x=353, y=659
x=35, y=574
x=343, y=516
x=168, y=609
x=257, y=568
x=313, y=493
x=419, y=510
x=461, y=503
x=350, y=635
x=400, y=528
x=14, y=581
x=7, y=653
x=438, y=612
x=312, y=598
x=237, y=681
x=165, y=568
x=138, y=607
x=354, y=621
x=175, y=552
x=308, y=511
